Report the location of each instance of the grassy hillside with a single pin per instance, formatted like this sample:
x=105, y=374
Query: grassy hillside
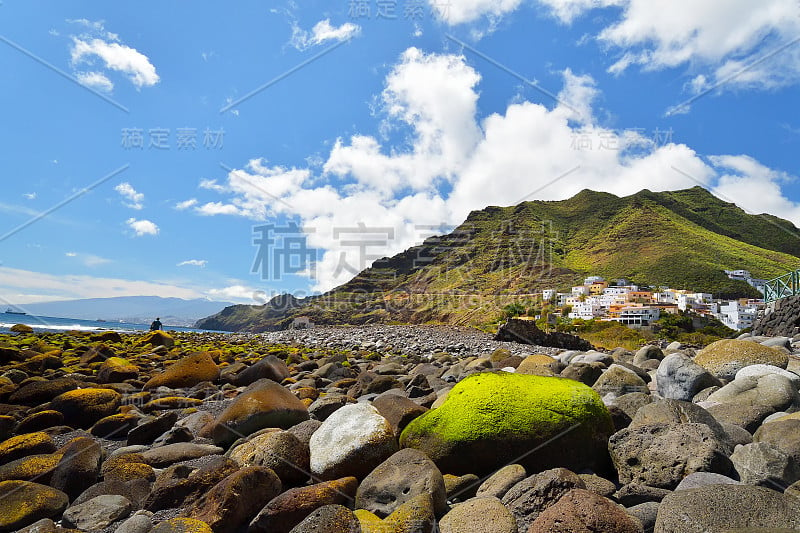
x=500, y=255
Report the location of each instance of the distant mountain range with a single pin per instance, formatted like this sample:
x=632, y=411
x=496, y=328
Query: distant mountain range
x=134, y=309
x=682, y=239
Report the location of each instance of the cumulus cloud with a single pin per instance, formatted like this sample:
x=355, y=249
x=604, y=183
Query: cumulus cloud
x=134, y=198
x=754, y=187
x=235, y=293
x=186, y=204
x=321, y=33
x=463, y=11
x=95, y=80
x=194, y=262
x=98, y=47
x=372, y=199
x=725, y=44
x=142, y=227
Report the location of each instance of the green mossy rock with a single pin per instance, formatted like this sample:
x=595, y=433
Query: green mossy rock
x=493, y=418
x=726, y=357
x=182, y=525
x=22, y=503
x=24, y=445
x=157, y=338
x=83, y=407
x=187, y=372
x=117, y=370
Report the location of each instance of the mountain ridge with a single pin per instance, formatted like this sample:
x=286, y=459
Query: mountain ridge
x=135, y=309
x=682, y=239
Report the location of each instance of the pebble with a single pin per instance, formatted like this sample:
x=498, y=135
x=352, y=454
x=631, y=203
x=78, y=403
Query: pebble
x=301, y=431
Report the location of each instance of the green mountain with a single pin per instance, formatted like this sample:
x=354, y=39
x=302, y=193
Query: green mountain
x=499, y=255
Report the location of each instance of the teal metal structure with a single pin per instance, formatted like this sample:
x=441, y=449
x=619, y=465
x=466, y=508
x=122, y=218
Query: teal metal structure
x=782, y=286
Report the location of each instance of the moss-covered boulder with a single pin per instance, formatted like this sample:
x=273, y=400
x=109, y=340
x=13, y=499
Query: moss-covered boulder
x=116, y=370
x=726, y=357
x=187, y=372
x=21, y=328
x=34, y=393
x=22, y=503
x=83, y=407
x=264, y=404
x=157, y=338
x=182, y=525
x=493, y=418
x=37, y=467
x=24, y=445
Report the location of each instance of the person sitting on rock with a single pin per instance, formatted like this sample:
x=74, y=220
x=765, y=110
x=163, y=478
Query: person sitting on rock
x=156, y=325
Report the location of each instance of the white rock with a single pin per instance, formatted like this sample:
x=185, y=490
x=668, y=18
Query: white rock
x=351, y=442
x=757, y=371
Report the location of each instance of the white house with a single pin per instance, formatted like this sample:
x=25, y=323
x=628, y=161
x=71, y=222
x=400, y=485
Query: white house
x=638, y=316
x=737, y=316
x=586, y=310
x=616, y=291
x=607, y=300
x=666, y=297
x=592, y=279
x=692, y=300
x=744, y=275
x=301, y=322
x=548, y=294
x=580, y=290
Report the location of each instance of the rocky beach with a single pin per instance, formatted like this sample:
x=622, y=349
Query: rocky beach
x=394, y=429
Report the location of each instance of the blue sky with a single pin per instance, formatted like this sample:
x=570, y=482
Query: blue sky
x=146, y=149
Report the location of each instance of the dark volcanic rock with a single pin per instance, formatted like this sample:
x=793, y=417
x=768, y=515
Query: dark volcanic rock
x=526, y=332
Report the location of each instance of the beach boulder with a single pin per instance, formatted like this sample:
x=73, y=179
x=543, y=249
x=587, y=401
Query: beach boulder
x=264, y=404
x=727, y=507
x=83, y=407
x=352, y=441
x=725, y=357
x=23, y=502
x=25, y=445
x=116, y=370
x=187, y=372
x=491, y=418
x=157, y=338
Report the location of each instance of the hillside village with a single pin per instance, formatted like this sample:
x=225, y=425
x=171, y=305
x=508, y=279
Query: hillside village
x=631, y=305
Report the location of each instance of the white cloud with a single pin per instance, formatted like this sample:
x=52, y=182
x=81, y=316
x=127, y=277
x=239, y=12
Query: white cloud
x=89, y=260
x=463, y=11
x=754, y=187
x=450, y=163
x=29, y=195
x=38, y=287
x=217, y=208
x=717, y=39
x=142, y=227
x=721, y=40
x=134, y=198
x=115, y=56
x=322, y=32
x=194, y=262
x=186, y=204
x=578, y=95
x=95, y=80
x=235, y=293
x=211, y=185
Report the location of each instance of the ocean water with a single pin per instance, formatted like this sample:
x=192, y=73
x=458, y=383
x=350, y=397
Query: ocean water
x=54, y=324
